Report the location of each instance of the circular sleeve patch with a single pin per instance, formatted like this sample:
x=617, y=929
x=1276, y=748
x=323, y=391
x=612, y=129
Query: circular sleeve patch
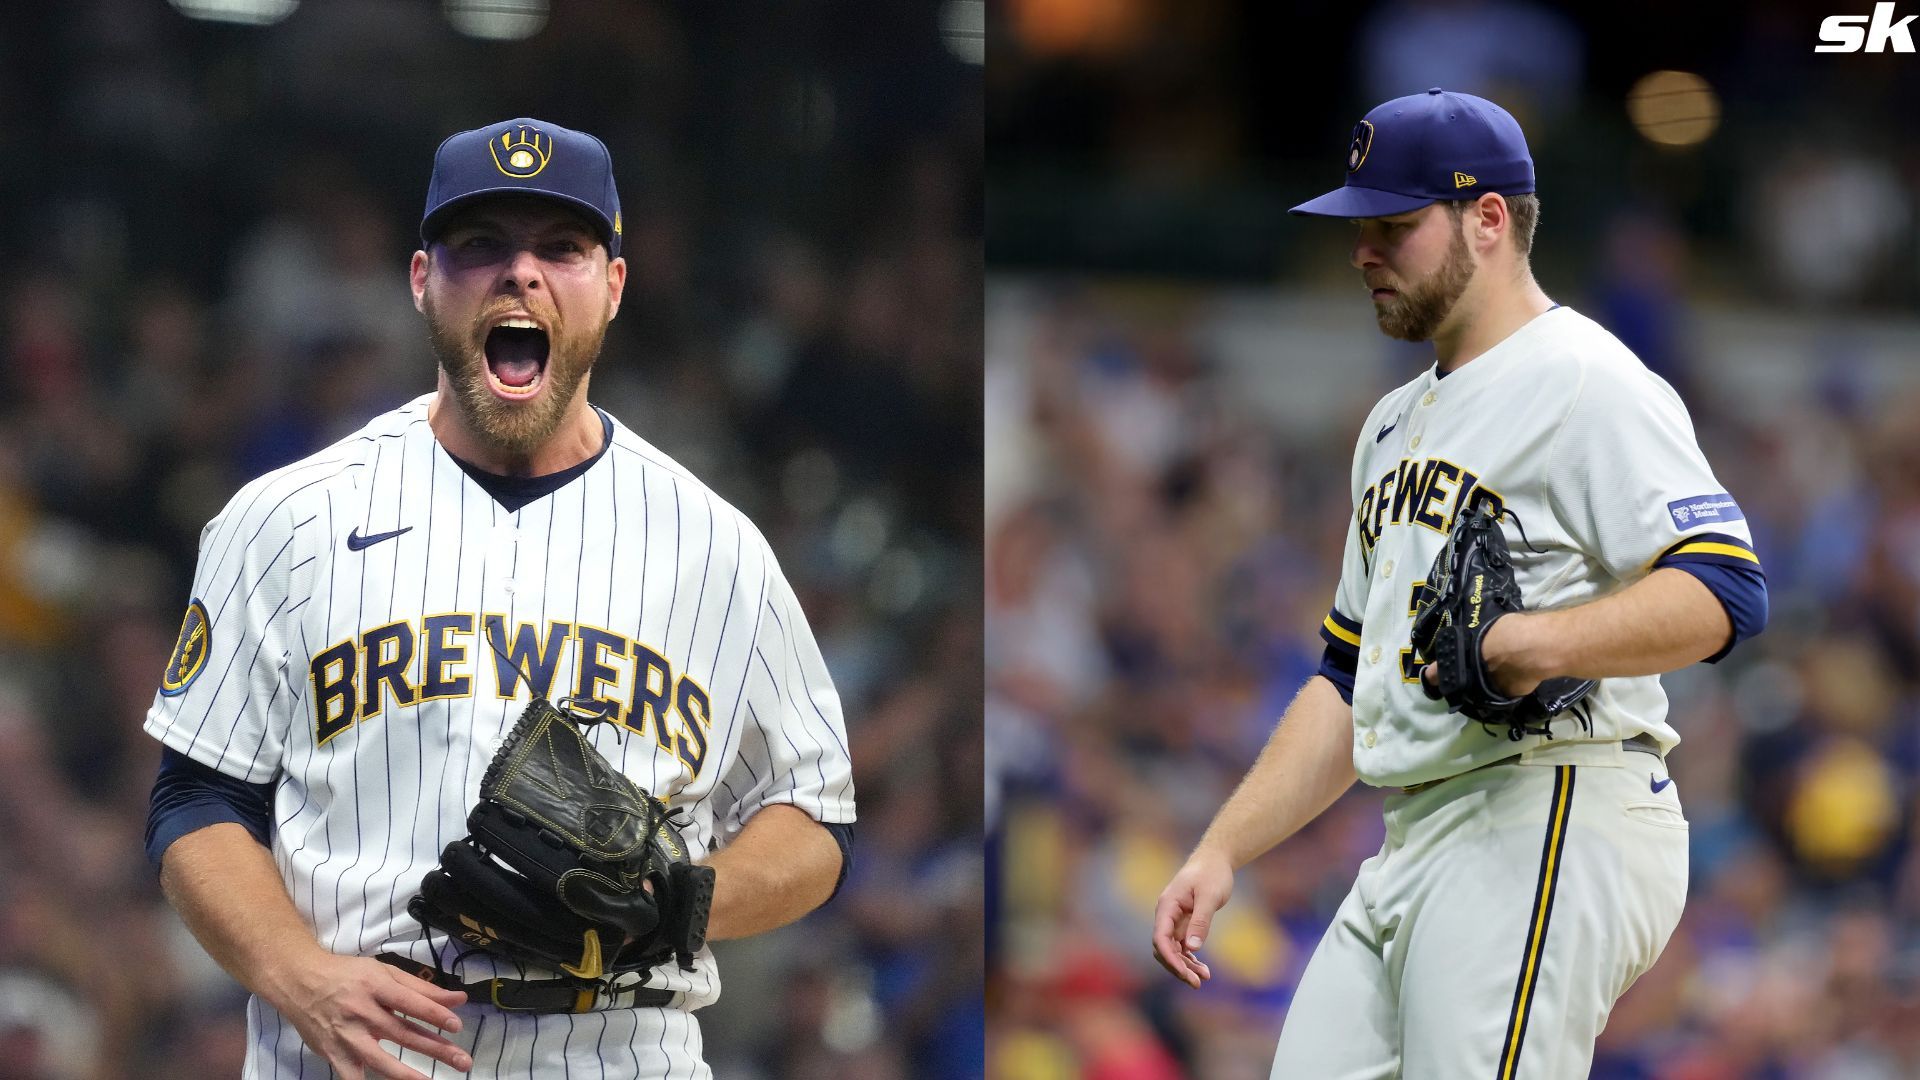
x=189, y=652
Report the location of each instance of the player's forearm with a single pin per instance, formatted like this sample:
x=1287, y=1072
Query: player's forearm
x=1664, y=621
x=228, y=891
x=781, y=866
x=1306, y=764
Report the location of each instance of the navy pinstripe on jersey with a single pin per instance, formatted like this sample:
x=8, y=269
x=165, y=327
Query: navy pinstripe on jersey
x=371, y=683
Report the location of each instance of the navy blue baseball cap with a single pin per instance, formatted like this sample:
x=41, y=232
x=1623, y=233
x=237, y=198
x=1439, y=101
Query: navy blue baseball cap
x=524, y=157
x=1424, y=148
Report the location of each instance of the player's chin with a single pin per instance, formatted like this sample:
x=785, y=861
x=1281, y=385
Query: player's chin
x=518, y=427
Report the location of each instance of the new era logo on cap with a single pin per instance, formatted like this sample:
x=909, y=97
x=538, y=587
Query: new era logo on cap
x=524, y=157
x=1422, y=148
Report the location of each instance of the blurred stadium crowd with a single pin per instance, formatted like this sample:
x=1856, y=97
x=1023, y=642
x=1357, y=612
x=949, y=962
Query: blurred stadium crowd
x=1167, y=501
x=209, y=261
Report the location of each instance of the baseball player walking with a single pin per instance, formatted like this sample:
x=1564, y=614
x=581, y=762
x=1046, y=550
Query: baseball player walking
x=1530, y=873
x=367, y=625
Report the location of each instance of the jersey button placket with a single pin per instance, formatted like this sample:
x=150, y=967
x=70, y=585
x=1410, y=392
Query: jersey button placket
x=1429, y=398
x=500, y=562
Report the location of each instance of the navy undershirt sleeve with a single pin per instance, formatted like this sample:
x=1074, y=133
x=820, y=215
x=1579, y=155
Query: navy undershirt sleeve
x=188, y=796
x=1342, y=659
x=1741, y=590
x=842, y=835
x=1338, y=666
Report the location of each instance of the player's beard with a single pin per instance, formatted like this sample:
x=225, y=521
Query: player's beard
x=1418, y=308
x=516, y=429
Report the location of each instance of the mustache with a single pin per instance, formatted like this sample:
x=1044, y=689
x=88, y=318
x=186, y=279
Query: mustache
x=502, y=308
x=1379, y=282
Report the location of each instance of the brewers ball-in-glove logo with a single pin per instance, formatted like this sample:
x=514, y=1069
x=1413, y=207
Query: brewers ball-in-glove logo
x=189, y=652
x=522, y=152
x=1362, y=142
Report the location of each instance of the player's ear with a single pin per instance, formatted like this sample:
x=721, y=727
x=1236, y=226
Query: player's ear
x=417, y=278
x=616, y=285
x=1489, y=218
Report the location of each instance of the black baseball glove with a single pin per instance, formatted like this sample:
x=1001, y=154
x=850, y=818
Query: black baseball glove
x=568, y=863
x=1470, y=587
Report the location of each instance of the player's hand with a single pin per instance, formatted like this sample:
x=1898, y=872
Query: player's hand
x=1185, y=913
x=345, y=1006
x=1501, y=651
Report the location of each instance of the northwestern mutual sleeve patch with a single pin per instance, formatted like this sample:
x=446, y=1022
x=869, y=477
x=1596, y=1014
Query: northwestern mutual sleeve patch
x=1704, y=510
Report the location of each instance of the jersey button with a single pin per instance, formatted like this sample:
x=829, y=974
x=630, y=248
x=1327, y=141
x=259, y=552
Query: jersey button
x=1373, y=656
x=1371, y=739
x=1430, y=398
x=1413, y=443
x=1387, y=570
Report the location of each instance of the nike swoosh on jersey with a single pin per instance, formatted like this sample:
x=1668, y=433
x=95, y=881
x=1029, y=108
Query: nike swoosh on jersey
x=356, y=542
x=1386, y=430
x=1660, y=785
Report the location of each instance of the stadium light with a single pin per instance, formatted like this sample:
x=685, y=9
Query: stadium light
x=963, y=26
x=498, y=20
x=248, y=12
x=1673, y=108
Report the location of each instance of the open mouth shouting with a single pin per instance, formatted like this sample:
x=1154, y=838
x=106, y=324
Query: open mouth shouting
x=516, y=348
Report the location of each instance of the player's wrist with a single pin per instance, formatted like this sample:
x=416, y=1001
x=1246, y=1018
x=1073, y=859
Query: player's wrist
x=1212, y=853
x=1518, y=651
x=292, y=975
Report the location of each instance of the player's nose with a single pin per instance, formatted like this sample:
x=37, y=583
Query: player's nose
x=522, y=270
x=1365, y=254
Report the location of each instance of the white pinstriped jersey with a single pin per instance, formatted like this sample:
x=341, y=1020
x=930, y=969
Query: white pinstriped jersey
x=1596, y=456
x=355, y=606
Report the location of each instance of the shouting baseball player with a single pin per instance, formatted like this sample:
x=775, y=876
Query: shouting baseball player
x=460, y=701
x=1536, y=537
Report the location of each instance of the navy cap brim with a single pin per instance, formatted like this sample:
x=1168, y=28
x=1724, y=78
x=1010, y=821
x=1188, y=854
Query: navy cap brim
x=431, y=226
x=1360, y=202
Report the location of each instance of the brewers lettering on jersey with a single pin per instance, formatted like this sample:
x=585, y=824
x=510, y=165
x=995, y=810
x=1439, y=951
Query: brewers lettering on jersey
x=1524, y=883
x=368, y=623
